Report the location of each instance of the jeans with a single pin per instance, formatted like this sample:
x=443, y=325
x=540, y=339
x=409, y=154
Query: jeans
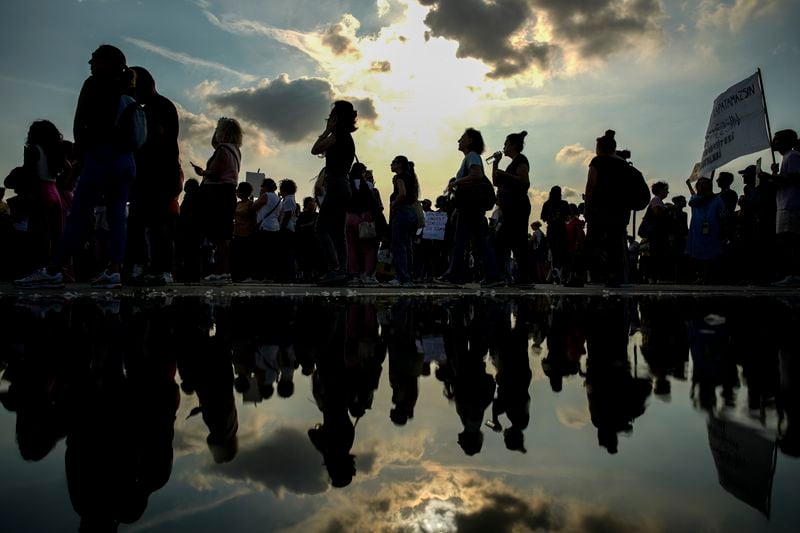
x=404, y=224
x=107, y=175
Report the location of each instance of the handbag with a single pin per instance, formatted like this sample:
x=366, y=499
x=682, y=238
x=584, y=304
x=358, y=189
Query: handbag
x=417, y=207
x=367, y=230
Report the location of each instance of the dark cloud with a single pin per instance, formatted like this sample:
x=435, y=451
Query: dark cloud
x=290, y=109
x=366, y=109
x=483, y=31
x=380, y=66
x=593, y=28
x=287, y=460
x=507, y=513
x=337, y=39
x=601, y=27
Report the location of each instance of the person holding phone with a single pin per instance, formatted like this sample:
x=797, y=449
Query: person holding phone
x=218, y=193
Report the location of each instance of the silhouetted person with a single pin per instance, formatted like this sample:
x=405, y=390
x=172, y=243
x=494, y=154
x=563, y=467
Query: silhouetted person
x=218, y=193
x=565, y=341
x=332, y=388
x=153, y=209
x=470, y=221
x=513, y=378
x=206, y=370
x=615, y=397
x=107, y=169
x=405, y=364
x=512, y=198
x=336, y=143
x=555, y=211
x=607, y=212
x=403, y=218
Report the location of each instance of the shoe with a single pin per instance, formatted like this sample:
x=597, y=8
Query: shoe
x=397, y=283
x=40, y=279
x=217, y=278
x=354, y=282
x=445, y=280
x=788, y=281
x=107, y=280
x=333, y=278
x=159, y=280
x=487, y=284
x=369, y=280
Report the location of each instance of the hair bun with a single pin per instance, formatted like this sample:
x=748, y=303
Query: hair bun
x=523, y=134
x=610, y=134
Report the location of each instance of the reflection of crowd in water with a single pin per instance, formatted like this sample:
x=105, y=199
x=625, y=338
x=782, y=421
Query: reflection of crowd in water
x=115, y=397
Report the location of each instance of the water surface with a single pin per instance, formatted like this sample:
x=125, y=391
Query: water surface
x=512, y=413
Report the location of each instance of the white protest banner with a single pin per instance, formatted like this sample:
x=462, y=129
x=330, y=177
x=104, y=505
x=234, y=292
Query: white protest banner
x=737, y=125
x=255, y=179
x=434, y=225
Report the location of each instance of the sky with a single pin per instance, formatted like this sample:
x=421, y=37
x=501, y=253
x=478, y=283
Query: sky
x=419, y=72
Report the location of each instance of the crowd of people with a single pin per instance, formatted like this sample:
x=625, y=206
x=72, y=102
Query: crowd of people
x=114, y=205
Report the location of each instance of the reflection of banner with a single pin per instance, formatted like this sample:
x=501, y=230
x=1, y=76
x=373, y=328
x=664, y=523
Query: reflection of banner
x=737, y=125
x=434, y=225
x=745, y=461
x=255, y=179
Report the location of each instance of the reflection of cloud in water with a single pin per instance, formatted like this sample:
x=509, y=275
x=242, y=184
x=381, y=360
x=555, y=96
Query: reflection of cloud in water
x=439, y=499
x=286, y=460
x=573, y=417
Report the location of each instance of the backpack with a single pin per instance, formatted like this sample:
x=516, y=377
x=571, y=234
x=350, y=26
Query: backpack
x=130, y=126
x=637, y=190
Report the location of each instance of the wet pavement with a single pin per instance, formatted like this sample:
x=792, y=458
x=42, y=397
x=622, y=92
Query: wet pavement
x=264, y=408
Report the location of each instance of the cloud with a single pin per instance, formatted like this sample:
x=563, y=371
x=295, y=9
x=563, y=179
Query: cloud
x=440, y=499
x=494, y=33
x=286, y=461
x=290, y=109
x=380, y=66
x=575, y=154
x=599, y=28
x=512, y=36
x=713, y=13
x=187, y=60
x=340, y=37
x=195, y=138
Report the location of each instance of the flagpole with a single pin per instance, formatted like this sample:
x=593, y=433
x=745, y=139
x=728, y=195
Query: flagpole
x=766, y=113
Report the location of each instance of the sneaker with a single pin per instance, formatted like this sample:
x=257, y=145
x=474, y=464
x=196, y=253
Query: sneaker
x=354, y=282
x=333, y=278
x=40, y=279
x=369, y=280
x=788, y=281
x=493, y=283
x=397, y=283
x=107, y=280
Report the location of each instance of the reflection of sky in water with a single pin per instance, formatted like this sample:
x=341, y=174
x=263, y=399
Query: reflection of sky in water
x=416, y=477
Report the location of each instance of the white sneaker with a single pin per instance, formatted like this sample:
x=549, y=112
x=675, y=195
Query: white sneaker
x=40, y=279
x=370, y=280
x=107, y=280
x=167, y=276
